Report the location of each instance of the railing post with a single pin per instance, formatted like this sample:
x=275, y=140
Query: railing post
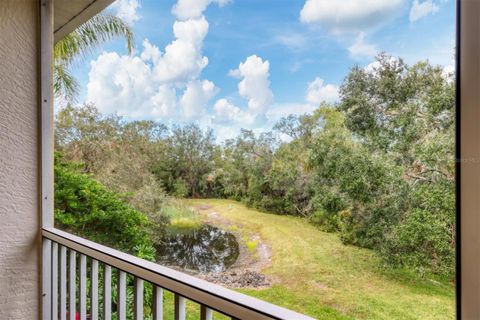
x=180, y=307
x=72, y=305
x=46, y=279
x=205, y=313
x=122, y=296
x=138, y=302
x=54, y=281
x=157, y=303
x=94, y=291
x=83, y=287
x=63, y=283
x=46, y=154
x=107, y=292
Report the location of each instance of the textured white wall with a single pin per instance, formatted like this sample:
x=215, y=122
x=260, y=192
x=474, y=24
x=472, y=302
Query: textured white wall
x=19, y=214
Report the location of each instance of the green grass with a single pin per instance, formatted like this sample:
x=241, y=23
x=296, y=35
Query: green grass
x=317, y=275
x=182, y=218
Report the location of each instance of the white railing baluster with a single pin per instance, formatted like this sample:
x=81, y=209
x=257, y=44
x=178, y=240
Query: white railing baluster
x=206, y=313
x=83, y=287
x=94, y=291
x=138, y=302
x=63, y=283
x=185, y=287
x=180, y=306
x=72, y=287
x=107, y=292
x=54, y=280
x=157, y=303
x=46, y=279
x=122, y=295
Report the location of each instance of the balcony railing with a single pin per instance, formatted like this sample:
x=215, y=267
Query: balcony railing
x=65, y=291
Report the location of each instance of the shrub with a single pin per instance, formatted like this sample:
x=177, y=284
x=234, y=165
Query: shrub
x=85, y=207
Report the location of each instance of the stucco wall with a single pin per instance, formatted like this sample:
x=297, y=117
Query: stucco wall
x=19, y=215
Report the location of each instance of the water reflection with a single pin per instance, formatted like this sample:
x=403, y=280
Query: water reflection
x=207, y=249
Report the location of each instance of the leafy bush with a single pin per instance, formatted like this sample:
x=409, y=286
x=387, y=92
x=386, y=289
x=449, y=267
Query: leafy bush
x=85, y=207
x=425, y=238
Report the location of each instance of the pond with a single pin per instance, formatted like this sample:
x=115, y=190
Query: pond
x=206, y=249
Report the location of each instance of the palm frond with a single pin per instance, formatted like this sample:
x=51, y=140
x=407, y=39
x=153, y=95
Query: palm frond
x=84, y=40
x=64, y=84
x=88, y=37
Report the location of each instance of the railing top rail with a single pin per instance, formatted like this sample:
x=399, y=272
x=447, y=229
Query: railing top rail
x=226, y=301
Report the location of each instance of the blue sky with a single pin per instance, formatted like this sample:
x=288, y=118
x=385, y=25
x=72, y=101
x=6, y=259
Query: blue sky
x=231, y=64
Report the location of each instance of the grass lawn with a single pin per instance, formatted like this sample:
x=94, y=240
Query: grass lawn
x=319, y=276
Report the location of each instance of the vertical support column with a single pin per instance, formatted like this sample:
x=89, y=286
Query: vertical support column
x=46, y=105
x=468, y=159
x=46, y=125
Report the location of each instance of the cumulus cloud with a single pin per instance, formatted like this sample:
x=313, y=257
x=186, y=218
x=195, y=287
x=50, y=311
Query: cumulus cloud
x=227, y=112
x=350, y=15
x=128, y=86
x=127, y=10
x=255, y=83
x=188, y=9
x=155, y=84
x=146, y=85
x=422, y=9
x=362, y=49
x=120, y=84
x=182, y=59
x=196, y=96
x=318, y=91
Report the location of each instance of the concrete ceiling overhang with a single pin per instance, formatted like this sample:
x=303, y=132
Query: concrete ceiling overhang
x=69, y=14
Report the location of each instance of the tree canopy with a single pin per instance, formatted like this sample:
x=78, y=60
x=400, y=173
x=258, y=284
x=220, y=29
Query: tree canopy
x=377, y=167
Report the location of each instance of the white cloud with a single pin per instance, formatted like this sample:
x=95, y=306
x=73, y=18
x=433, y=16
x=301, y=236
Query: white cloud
x=196, y=96
x=127, y=10
x=318, y=92
x=422, y=9
x=341, y=16
x=362, y=49
x=120, y=84
x=226, y=111
x=183, y=59
x=146, y=85
x=255, y=83
x=164, y=103
x=188, y=9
